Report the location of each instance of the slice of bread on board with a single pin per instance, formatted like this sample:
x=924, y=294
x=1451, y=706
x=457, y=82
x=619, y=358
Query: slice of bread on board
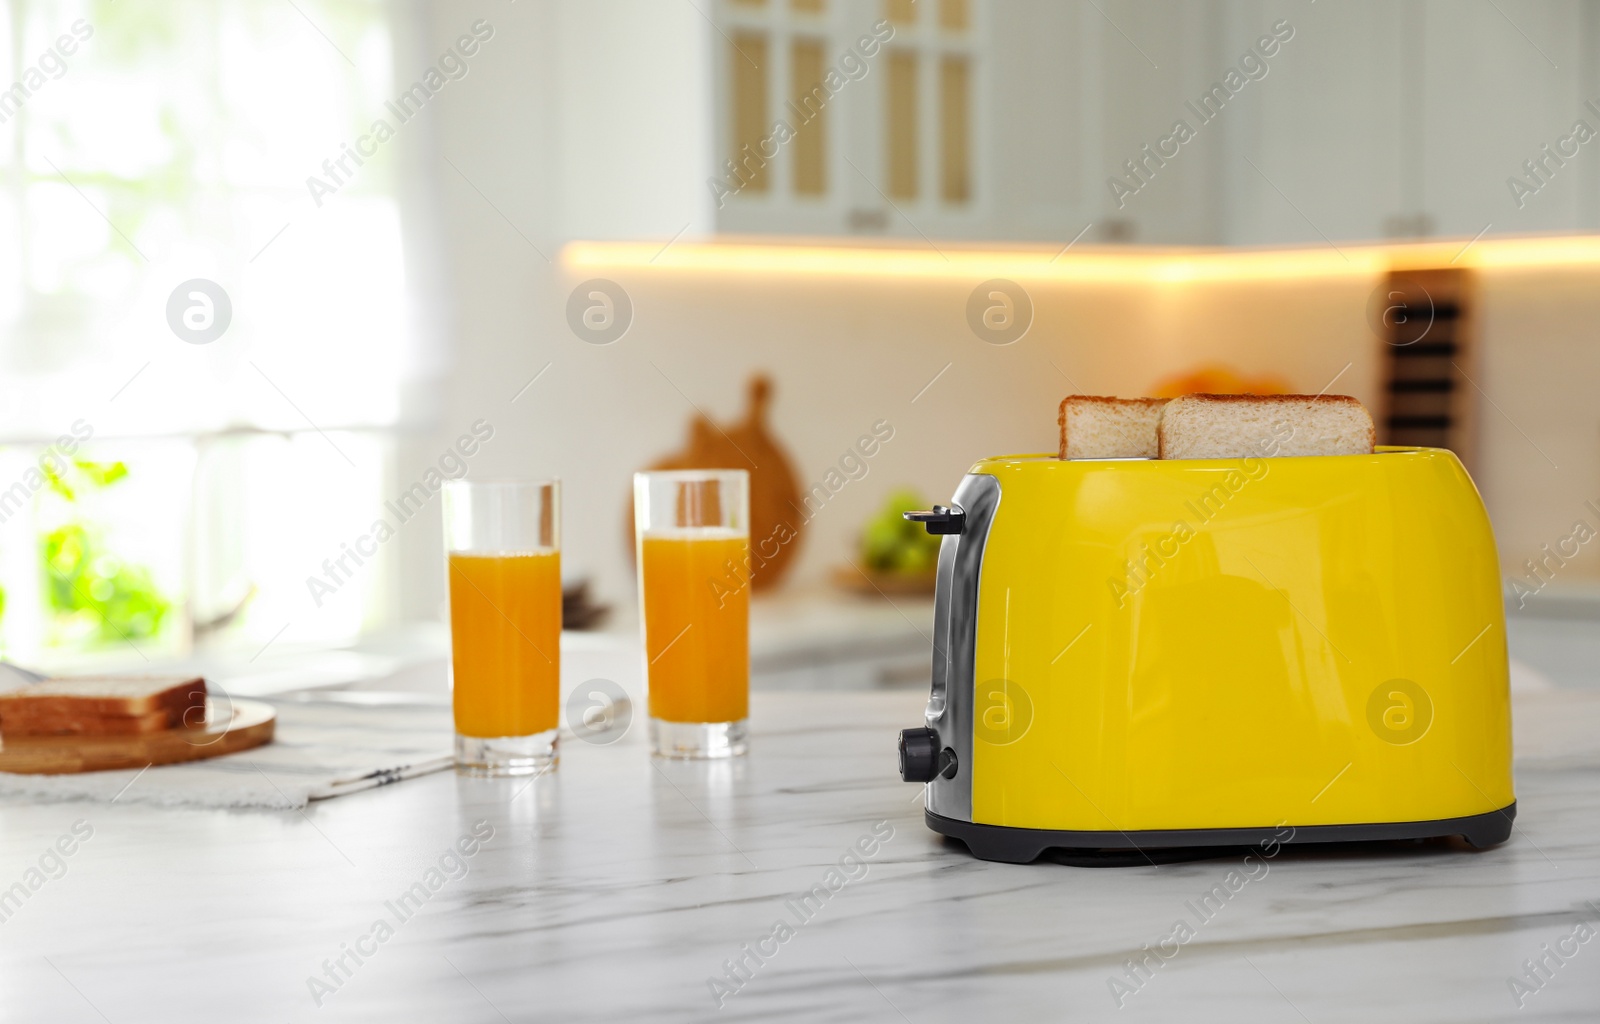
x=14, y=724
x=1264, y=426
x=136, y=703
x=1093, y=427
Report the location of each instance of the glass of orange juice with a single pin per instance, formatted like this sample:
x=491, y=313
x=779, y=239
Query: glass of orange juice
x=503, y=555
x=692, y=531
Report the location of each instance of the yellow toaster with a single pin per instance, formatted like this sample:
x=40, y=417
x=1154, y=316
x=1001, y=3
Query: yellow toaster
x=1133, y=654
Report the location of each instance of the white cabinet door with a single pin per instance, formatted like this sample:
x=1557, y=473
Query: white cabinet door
x=1315, y=154
x=1504, y=81
x=1150, y=62
x=1407, y=118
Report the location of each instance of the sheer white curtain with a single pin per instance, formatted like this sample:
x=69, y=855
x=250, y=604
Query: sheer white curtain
x=143, y=147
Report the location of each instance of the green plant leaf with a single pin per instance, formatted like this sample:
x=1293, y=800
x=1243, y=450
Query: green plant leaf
x=102, y=474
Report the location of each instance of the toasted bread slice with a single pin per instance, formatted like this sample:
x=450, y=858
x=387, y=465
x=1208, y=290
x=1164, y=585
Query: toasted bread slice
x=15, y=724
x=1093, y=427
x=1264, y=426
x=104, y=696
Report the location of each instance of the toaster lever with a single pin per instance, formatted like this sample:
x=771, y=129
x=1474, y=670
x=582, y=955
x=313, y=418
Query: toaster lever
x=940, y=520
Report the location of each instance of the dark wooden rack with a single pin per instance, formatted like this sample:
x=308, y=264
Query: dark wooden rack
x=1425, y=321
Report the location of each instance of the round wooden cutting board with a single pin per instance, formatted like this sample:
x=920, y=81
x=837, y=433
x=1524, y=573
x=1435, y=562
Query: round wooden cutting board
x=777, y=514
x=230, y=726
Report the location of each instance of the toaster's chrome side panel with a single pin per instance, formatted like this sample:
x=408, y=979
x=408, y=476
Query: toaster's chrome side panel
x=955, y=642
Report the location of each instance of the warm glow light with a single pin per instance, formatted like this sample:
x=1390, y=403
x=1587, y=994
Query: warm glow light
x=1081, y=263
x=1536, y=252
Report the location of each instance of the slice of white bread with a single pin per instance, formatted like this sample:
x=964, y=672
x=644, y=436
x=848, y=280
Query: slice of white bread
x=104, y=697
x=1264, y=426
x=1093, y=427
x=16, y=724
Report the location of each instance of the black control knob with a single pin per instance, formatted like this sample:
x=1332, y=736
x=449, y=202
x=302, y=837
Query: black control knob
x=919, y=755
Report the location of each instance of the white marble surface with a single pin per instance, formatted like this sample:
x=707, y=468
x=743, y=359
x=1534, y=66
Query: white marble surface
x=614, y=889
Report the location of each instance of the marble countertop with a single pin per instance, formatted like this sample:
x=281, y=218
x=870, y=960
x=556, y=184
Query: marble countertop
x=619, y=888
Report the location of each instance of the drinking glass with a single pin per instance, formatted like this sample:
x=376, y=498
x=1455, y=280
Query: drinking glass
x=692, y=535
x=503, y=557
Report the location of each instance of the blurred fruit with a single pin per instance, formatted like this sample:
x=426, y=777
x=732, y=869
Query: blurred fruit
x=891, y=544
x=1219, y=380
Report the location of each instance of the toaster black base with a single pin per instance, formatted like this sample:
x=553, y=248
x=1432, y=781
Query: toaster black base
x=1024, y=845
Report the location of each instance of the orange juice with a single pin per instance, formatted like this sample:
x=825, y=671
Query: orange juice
x=505, y=642
x=697, y=627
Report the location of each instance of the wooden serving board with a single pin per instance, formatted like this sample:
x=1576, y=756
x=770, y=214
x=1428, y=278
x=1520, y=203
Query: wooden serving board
x=230, y=726
x=777, y=514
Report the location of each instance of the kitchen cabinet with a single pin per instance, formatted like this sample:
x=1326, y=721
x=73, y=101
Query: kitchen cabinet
x=1494, y=94
x=1315, y=153
x=1014, y=119
x=1405, y=119
x=1372, y=119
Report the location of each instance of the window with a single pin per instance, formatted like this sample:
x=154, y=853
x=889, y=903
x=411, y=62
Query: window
x=147, y=145
x=902, y=117
x=750, y=107
x=931, y=57
x=955, y=135
x=811, y=138
x=954, y=15
x=778, y=50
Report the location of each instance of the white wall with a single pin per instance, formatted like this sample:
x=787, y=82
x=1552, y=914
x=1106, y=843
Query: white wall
x=1540, y=427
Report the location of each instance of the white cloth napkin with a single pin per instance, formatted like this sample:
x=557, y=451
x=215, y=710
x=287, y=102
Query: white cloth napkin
x=319, y=751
